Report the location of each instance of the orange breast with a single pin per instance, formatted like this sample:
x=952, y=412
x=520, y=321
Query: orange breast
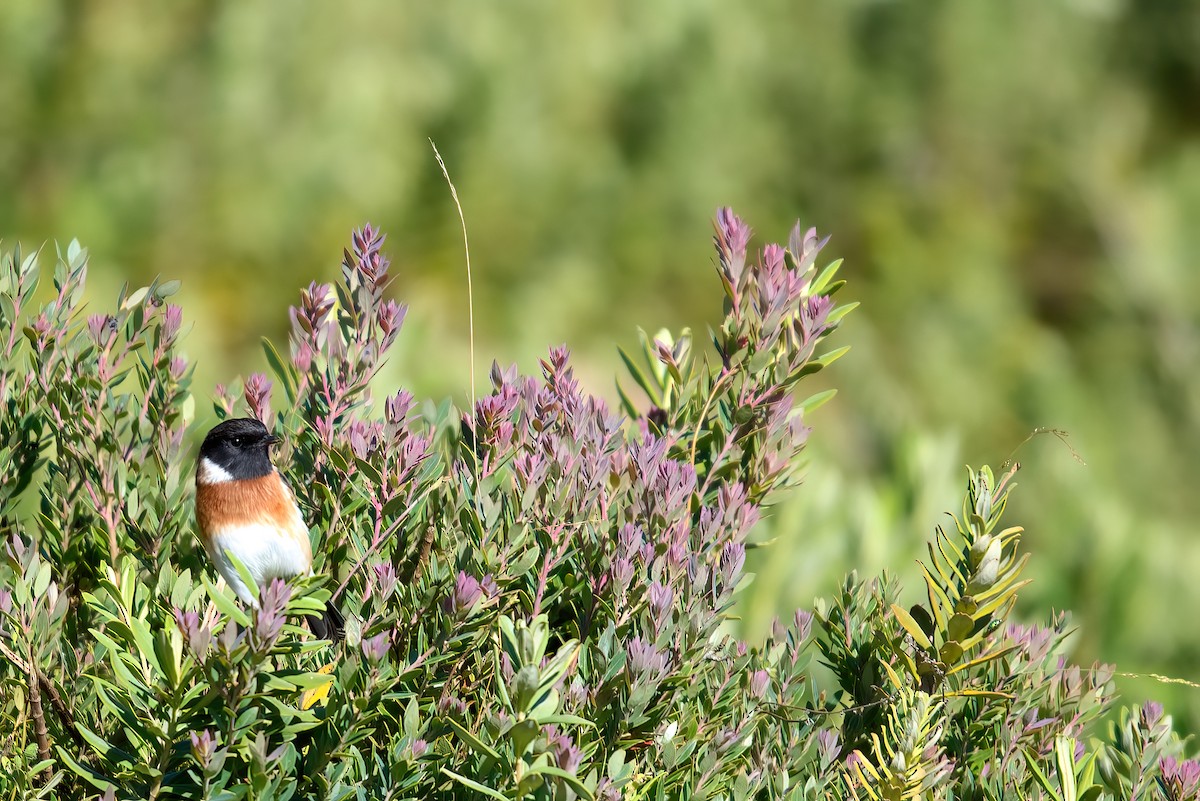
x=233, y=504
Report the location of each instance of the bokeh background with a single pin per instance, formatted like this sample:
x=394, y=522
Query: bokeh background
x=1015, y=187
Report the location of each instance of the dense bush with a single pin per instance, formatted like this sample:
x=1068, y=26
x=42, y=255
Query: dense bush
x=538, y=590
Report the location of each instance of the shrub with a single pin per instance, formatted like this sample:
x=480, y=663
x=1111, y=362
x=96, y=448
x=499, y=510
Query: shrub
x=538, y=589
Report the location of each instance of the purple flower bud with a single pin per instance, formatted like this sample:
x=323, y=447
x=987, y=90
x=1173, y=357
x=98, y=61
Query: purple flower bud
x=1181, y=779
x=629, y=539
x=661, y=597
x=376, y=648
x=5, y=602
x=258, y=396
x=559, y=356
x=390, y=317
x=643, y=660
x=317, y=301
x=663, y=351
x=451, y=705
x=677, y=555
x=1152, y=713
x=577, y=693
x=384, y=580
x=101, y=327
x=172, y=320
x=177, y=368
x=726, y=739
x=814, y=315
x=367, y=260
x=569, y=758
x=733, y=556
x=772, y=258
x=466, y=593
x=622, y=572
x=732, y=238
x=566, y=755
x=803, y=623
x=17, y=548
x=805, y=247
x=310, y=317
x=502, y=377
x=488, y=585
x=302, y=357
x=419, y=747
x=759, y=680
x=827, y=745
x=365, y=438
x=204, y=747
x=606, y=790
x=197, y=636
x=229, y=637
x=270, y=615
x=397, y=407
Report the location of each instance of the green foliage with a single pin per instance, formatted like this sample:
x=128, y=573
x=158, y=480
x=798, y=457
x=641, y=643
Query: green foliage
x=1017, y=184
x=540, y=591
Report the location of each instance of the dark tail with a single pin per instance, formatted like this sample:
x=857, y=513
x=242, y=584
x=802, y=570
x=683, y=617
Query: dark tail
x=329, y=626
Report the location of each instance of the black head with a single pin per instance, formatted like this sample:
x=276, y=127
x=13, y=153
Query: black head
x=237, y=449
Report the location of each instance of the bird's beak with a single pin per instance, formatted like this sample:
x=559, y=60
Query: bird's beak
x=272, y=440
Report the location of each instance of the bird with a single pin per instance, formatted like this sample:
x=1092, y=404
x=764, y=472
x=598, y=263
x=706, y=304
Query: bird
x=244, y=507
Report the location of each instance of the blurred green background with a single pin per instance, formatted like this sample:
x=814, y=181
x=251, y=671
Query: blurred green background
x=1015, y=187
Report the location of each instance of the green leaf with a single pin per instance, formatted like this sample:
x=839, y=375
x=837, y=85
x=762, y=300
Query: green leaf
x=474, y=785
x=959, y=627
x=524, y=688
x=508, y=639
x=840, y=312
x=92, y=777
x=981, y=660
x=567, y=720
x=814, y=402
x=546, y=704
x=616, y=764
x=950, y=653
x=1031, y=760
x=106, y=749
x=225, y=604
x=559, y=665
x=281, y=369
x=504, y=697
x=411, y=718
x=475, y=744
x=640, y=377
x=145, y=644
x=135, y=299
x=42, y=580
x=1064, y=755
x=908, y=624
x=822, y=280
x=244, y=573
x=167, y=288
x=826, y=359
x=523, y=733
x=570, y=779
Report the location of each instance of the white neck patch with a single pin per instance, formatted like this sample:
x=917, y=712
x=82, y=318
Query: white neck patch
x=209, y=472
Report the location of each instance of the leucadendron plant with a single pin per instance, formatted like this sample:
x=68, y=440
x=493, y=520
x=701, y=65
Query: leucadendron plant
x=537, y=589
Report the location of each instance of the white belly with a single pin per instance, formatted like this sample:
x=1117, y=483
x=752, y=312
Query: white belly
x=263, y=551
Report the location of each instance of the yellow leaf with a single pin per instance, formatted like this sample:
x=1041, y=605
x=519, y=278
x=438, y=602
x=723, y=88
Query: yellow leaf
x=311, y=697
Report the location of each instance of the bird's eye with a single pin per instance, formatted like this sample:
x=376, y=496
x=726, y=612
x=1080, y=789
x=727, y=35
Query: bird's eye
x=237, y=442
